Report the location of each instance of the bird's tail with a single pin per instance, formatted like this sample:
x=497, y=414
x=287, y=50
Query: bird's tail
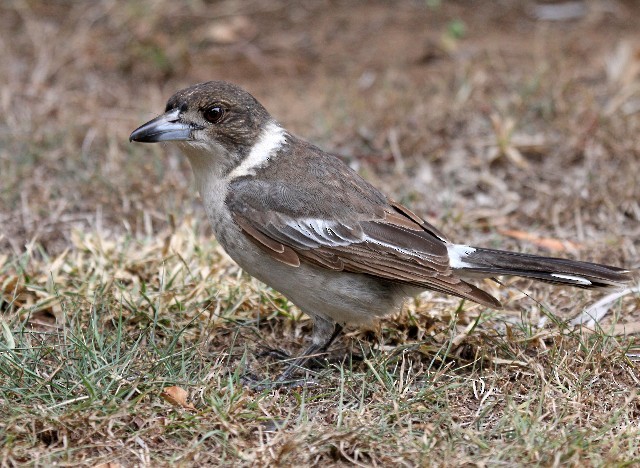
x=477, y=261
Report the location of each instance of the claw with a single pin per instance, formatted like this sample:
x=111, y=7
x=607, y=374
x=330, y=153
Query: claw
x=274, y=353
x=258, y=385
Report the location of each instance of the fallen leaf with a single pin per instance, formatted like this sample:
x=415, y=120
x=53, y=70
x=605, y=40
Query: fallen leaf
x=596, y=311
x=8, y=336
x=138, y=422
x=625, y=329
x=623, y=64
x=177, y=396
x=12, y=290
x=43, y=320
x=231, y=30
x=548, y=243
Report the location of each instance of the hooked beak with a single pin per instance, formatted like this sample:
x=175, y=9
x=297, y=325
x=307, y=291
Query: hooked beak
x=166, y=127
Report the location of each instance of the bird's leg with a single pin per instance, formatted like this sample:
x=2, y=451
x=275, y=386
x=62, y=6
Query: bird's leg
x=274, y=353
x=324, y=333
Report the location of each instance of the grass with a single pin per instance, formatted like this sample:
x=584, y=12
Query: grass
x=115, y=323
x=126, y=332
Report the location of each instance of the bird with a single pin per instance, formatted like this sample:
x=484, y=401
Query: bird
x=303, y=222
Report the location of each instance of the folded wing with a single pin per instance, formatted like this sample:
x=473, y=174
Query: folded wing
x=395, y=245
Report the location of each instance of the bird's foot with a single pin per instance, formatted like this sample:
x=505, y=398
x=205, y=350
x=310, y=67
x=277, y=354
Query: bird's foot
x=274, y=353
x=281, y=355
x=258, y=384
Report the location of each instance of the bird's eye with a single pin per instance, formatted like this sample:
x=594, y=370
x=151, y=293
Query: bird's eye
x=214, y=114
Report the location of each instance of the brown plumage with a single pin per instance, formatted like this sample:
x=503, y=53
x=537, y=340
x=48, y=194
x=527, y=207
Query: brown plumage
x=305, y=223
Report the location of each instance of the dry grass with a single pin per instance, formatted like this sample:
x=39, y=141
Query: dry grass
x=111, y=289
x=90, y=345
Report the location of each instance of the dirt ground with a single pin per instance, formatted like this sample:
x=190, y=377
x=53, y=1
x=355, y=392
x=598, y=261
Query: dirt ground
x=504, y=123
x=351, y=77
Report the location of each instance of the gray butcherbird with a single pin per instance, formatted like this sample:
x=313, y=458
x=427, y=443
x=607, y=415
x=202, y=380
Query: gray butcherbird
x=303, y=222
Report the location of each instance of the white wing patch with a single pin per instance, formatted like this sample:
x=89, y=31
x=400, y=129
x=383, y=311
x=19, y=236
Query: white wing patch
x=322, y=231
x=273, y=137
x=327, y=233
x=457, y=254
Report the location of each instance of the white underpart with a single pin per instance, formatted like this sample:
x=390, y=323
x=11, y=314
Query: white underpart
x=457, y=254
x=273, y=137
x=577, y=279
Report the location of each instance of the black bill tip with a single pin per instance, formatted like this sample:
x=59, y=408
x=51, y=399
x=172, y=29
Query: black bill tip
x=166, y=127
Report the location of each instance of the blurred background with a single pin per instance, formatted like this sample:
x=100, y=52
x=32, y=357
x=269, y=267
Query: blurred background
x=488, y=119
x=511, y=124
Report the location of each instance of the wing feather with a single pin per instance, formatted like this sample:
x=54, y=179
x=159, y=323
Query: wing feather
x=354, y=228
x=394, y=247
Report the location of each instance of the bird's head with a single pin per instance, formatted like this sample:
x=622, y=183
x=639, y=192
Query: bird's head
x=215, y=120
